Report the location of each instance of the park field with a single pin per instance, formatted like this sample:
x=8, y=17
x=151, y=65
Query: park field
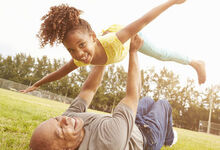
x=21, y=113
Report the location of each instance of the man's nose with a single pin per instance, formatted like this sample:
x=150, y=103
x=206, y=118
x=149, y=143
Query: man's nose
x=63, y=121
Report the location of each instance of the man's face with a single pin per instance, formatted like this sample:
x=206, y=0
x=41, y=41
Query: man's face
x=60, y=133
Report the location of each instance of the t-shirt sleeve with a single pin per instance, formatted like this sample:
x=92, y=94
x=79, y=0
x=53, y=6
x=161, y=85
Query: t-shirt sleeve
x=79, y=63
x=113, y=28
x=78, y=105
x=114, y=49
x=115, y=132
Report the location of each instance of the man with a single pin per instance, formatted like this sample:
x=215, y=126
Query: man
x=78, y=129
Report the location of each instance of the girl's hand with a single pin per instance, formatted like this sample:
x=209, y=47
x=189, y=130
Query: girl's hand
x=29, y=89
x=178, y=1
x=136, y=43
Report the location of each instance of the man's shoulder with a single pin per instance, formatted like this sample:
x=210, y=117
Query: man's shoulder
x=77, y=106
x=111, y=131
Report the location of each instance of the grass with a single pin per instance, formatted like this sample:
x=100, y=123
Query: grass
x=21, y=113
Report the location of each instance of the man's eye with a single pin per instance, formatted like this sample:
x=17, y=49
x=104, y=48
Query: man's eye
x=60, y=133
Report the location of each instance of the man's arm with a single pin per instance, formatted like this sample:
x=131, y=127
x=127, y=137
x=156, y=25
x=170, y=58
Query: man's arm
x=134, y=80
x=63, y=71
x=91, y=84
x=133, y=28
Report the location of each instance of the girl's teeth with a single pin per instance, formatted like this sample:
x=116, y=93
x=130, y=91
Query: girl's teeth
x=84, y=57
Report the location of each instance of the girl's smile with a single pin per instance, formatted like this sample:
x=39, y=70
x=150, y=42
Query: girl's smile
x=81, y=45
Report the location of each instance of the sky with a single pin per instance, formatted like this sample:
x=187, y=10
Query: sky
x=192, y=29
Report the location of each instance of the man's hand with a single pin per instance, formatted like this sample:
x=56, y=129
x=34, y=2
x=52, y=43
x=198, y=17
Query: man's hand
x=136, y=43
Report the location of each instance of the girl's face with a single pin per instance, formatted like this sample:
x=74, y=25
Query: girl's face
x=81, y=45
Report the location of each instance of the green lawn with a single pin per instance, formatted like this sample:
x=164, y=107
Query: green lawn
x=21, y=113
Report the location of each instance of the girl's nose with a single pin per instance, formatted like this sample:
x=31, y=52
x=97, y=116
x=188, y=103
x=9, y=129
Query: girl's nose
x=82, y=55
x=79, y=54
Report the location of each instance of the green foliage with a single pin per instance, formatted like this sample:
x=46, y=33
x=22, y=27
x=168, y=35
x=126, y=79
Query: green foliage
x=112, y=89
x=20, y=114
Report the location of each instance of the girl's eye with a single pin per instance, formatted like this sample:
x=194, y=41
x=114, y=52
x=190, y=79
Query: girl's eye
x=81, y=45
x=70, y=49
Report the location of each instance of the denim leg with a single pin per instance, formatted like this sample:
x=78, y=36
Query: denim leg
x=158, y=123
x=170, y=135
x=144, y=107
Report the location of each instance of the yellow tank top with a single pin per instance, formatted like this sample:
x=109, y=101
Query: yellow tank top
x=115, y=50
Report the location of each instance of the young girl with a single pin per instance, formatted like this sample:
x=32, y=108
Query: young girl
x=63, y=25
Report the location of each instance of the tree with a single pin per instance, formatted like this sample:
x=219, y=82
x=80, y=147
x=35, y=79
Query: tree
x=23, y=68
x=1, y=66
x=8, y=69
x=112, y=89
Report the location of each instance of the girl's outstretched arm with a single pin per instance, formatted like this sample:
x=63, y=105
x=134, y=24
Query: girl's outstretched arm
x=133, y=28
x=63, y=71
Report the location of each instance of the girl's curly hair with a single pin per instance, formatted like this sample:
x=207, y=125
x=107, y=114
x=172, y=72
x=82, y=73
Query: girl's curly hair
x=58, y=21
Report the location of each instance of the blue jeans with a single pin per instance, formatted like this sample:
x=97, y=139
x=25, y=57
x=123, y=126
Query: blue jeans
x=155, y=121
